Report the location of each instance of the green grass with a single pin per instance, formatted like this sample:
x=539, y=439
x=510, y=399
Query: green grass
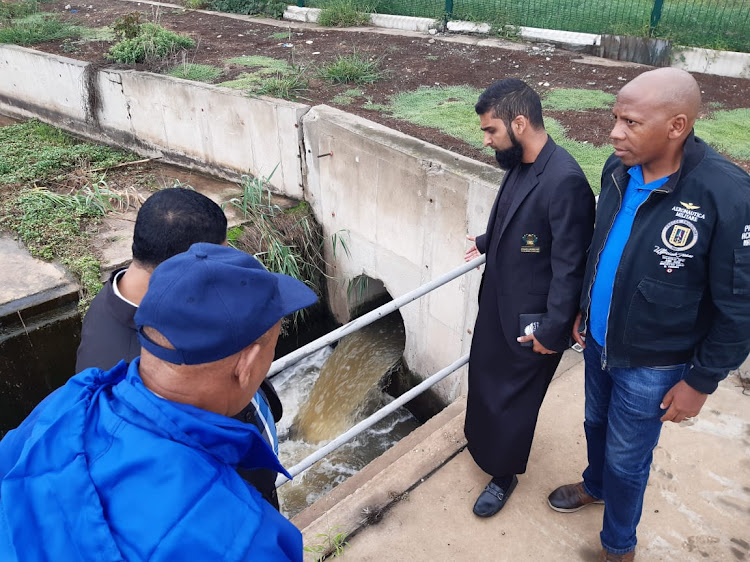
x=34, y=151
x=266, y=65
x=280, y=35
x=450, y=109
x=151, y=42
x=37, y=28
x=55, y=225
x=288, y=87
x=591, y=158
x=345, y=13
x=347, y=98
x=196, y=72
x=574, y=99
x=272, y=77
x=244, y=81
x=97, y=34
x=354, y=68
x=727, y=131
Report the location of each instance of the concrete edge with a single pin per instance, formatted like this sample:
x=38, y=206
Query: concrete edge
x=362, y=499
x=42, y=302
x=434, y=156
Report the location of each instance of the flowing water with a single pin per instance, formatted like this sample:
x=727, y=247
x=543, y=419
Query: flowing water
x=327, y=393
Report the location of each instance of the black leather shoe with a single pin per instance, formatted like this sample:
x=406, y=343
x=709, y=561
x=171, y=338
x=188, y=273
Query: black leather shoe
x=493, y=498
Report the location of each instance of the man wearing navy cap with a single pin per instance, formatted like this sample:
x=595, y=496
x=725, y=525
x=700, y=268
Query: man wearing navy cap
x=138, y=462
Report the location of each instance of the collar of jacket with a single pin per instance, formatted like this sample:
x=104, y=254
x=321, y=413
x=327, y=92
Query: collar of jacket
x=227, y=439
x=121, y=310
x=693, y=153
x=541, y=161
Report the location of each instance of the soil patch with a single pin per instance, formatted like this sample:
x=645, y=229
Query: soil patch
x=409, y=61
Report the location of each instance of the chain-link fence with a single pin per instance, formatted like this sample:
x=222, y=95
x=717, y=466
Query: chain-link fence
x=717, y=24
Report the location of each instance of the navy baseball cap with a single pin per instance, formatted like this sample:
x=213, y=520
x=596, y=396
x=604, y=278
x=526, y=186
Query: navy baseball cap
x=213, y=301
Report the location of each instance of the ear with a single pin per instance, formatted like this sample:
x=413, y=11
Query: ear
x=245, y=369
x=519, y=125
x=679, y=125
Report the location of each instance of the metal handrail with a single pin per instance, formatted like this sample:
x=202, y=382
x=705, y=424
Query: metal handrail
x=370, y=317
x=353, y=326
x=310, y=460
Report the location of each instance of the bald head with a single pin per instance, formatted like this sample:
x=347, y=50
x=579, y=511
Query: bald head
x=668, y=90
x=654, y=116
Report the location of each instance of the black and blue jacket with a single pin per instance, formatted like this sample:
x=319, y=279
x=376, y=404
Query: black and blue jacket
x=682, y=289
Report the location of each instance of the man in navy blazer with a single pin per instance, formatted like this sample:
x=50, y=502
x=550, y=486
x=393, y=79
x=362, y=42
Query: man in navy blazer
x=536, y=242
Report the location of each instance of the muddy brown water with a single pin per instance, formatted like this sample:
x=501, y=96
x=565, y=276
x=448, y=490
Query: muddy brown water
x=327, y=393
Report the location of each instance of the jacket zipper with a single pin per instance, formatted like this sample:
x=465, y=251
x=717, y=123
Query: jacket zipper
x=596, y=268
x=614, y=282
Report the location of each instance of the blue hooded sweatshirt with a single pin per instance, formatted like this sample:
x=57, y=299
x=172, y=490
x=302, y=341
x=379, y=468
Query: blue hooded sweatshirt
x=103, y=469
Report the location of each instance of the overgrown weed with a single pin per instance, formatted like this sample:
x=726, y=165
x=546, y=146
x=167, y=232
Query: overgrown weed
x=151, y=41
x=345, y=13
x=354, y=69
x=287, y=242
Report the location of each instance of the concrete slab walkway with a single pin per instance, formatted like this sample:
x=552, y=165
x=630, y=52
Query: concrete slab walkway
x=697, y=504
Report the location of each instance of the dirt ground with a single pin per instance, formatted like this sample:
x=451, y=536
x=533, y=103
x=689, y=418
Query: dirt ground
x=409, y=62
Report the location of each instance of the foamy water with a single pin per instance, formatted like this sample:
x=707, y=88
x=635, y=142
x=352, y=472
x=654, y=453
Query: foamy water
x=295, y=386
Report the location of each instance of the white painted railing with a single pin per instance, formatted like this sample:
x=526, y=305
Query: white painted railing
x=353, y=326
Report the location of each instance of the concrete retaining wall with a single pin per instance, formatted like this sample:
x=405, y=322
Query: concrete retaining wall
x=199, y=126
x=404, y=207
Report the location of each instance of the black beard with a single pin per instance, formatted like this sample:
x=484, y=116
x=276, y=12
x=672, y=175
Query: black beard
x=510, y=157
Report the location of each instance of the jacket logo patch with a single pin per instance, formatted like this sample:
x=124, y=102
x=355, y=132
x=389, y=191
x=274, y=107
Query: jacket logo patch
x=746, y=236
x=530, y=244
x=679, y=235
x=689, y=206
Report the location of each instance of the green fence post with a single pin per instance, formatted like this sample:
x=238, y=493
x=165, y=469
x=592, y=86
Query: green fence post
x=655, y=15
x=301, y=3
x=448, y=9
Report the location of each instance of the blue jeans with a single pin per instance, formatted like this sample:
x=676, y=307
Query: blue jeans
x=622, y=428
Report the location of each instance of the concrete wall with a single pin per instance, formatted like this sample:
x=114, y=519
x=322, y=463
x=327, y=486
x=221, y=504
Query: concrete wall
x=404, y=207
x=203, y=127
x=39, y=328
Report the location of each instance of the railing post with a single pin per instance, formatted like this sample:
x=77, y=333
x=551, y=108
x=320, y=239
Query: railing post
x=655, y=15
x=301, y=3
x=448, y=10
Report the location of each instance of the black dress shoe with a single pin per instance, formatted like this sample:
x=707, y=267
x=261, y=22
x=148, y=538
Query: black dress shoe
x=493, y=498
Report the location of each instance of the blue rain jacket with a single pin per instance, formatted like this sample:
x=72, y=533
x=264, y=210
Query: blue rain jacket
x=103, y=469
